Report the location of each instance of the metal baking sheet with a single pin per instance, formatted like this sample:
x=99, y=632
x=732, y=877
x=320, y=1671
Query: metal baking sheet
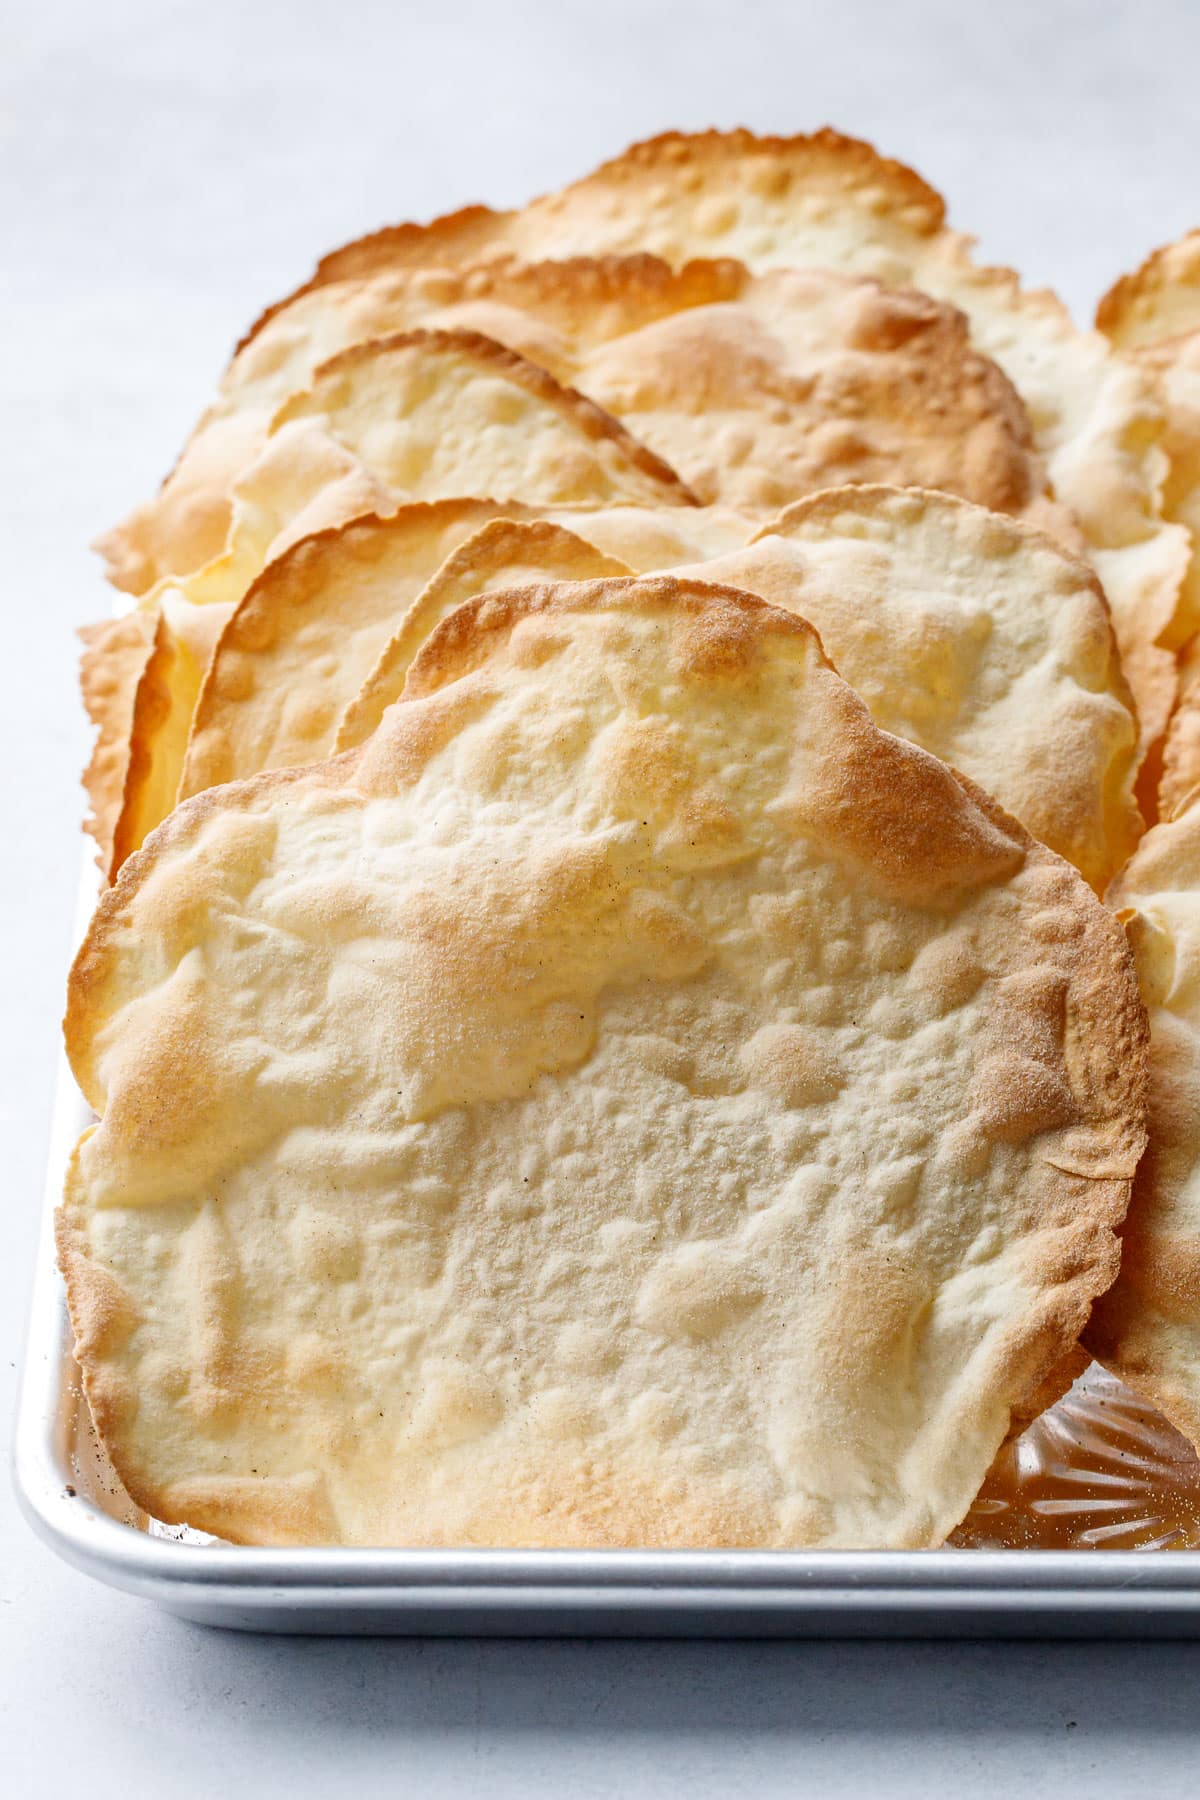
x=1089, y=1525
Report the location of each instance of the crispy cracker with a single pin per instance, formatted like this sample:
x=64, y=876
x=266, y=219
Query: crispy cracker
x=1147, y=1329
x=631, y=1101
x=115, y=652
x=503, y=554
x=1181, y=751
x=1154, y=317
x=1158, y=301
x=758, y=389
x=973, y=636
x=1176, y=366
x=811, y=379
x=976, y=637
x=306, y=635
x=187, y=522
x=424, y=415
x=831, y=201
x=167, y=692
x=663, y=189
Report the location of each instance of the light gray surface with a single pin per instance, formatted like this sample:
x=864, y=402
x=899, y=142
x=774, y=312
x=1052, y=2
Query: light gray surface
x=164, y=170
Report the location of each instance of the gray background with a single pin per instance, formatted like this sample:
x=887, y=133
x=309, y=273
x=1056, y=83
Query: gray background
x=165, y=170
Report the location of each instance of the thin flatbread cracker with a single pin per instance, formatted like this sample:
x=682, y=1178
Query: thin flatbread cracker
x=757, y=389
x=649, y=539
x=1147, y=1328
x=976, y=637
x=309, y=625
x=503, y=554
x=973, y=636
x=631, y=1101
x=186, y=524
x=167, y=691
x=1158, y=301
x=423, y=415
x=833, y=202
x=115, y=653
x=1154, y=317
x=307, y=634
x=1181, y=751
x=807, y=379
x=1175, y=366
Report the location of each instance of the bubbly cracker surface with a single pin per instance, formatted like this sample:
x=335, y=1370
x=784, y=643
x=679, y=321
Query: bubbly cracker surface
x=758, y=389
x=163, y=706
x=975, y=637
x=971, y=635
x=307, y=634
x=505, y=553
x=1158, y=301
x=111, y=665
x=1148, y=1327
x=830, y=201
x=1154, y=316
x=423, y=415
x=631, y=1101
x=1181, y=750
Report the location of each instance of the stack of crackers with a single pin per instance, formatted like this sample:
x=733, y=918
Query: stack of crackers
x=647, y=988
